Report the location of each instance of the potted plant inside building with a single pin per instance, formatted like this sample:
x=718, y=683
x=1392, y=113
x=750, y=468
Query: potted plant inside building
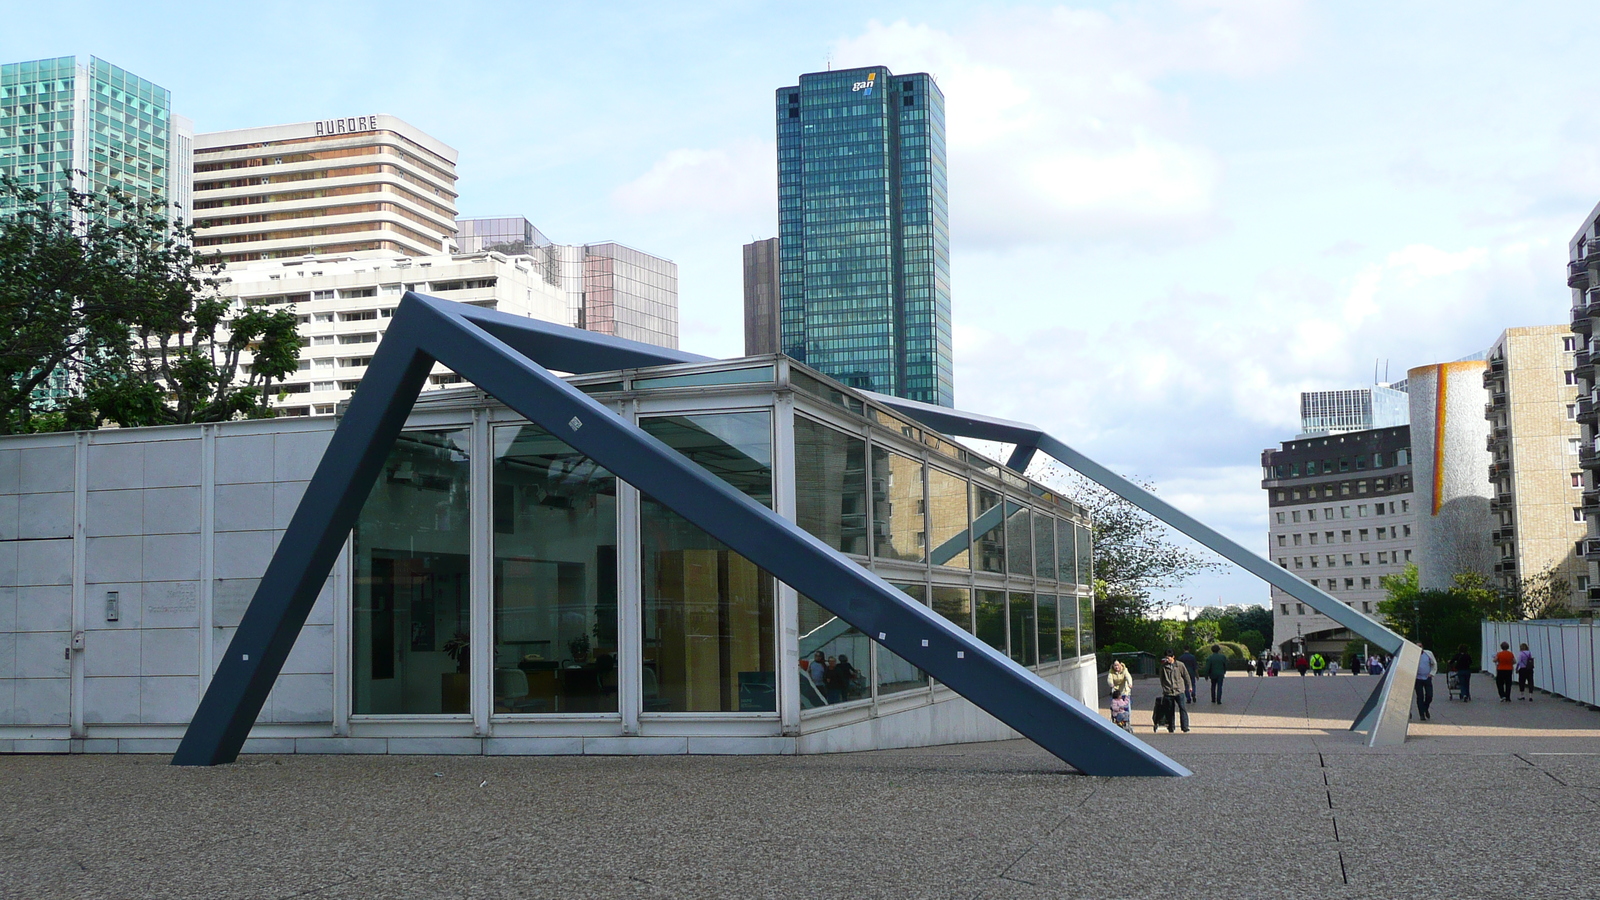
x=579, y=647
x=455, y=687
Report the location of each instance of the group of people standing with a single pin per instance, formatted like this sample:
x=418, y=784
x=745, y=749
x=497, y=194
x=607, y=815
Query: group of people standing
x=1506, y=664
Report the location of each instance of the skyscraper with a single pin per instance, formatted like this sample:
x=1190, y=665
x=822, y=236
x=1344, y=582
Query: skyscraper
x=91, y=126
x=863, y=228
x=761, y=297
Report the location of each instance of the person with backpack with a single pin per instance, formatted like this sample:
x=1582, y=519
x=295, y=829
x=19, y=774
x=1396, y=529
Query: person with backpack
x=1525, y=673
x=1176, y=685
x=1318, y=663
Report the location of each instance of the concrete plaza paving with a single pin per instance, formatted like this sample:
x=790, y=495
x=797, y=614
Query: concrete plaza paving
x=1486, y=800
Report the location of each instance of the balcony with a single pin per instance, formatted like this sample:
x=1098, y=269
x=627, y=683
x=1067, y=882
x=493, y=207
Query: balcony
x=1591, y=548
x=1591, y=500
x=1594, y=593
x=1503, y=534
x=1498, y=468
x=1501, y=502
x=1587, y=459
x=1580, y=320
x=1497, y=366
x=1578, y=272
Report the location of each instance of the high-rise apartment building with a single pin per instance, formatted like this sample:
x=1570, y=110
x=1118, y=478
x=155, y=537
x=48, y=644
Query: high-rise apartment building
x=1583, y=277
x=610, y=288
x=863, y=228
x=91, y=126
x=1361, y=409
x=1341, y=516
x=364, y=185
x=761, y=290
x=1533, y=445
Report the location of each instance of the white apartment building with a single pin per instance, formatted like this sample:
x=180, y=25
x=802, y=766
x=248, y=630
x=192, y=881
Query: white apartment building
x=1341, y=516
x=344, y=304
x=361, y=185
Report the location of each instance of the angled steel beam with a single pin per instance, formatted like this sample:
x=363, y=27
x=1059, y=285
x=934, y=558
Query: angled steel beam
x=425, y=329
x=1384, y=718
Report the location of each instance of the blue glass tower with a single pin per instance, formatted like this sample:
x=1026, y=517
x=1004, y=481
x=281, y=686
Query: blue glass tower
x=863, y=227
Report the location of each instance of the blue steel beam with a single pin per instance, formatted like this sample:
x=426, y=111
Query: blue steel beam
x=1379, y=718
x=425, y=329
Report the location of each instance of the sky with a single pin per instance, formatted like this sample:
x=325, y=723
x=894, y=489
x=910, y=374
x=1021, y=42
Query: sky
x=1167, y=218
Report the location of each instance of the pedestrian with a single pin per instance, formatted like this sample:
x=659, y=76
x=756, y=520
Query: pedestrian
x=1192, y=663
x=1525, y=673
x=1426, y=666
x=838, y=679
x=1216, y=670
x=1462, y=666
x=819, y=671
x=1120, y=680
x=1301, y=664
x=1318, y=664
x=1374, y=665
x=1504, y=662
x=1176, y=684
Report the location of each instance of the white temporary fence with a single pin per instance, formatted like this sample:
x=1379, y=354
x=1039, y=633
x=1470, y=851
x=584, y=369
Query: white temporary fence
x=1566, y=654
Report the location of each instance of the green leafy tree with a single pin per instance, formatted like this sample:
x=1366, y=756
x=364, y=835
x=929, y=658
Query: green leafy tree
x=1255, y=640
x=1203, y=633
x=1543, y=596
x=104, y=292
x=1440, y=620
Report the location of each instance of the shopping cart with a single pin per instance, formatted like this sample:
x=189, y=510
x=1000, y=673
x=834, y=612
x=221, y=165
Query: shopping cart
x=1452, y=684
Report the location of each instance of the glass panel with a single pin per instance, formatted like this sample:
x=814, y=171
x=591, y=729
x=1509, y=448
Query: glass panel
x=410, y=632
x=895, y=675
x=727, y=376
x=948, y=521
x=1044, y=546
x=804, y=382
x=1049, y=631
x=1085, y=555
x=1085, y=626
x=1069, y=626
x=955, y=604
x=897, y=526
x=1024, y=643
x=555, y=576
x=603, y=387
x=709, y=644
x=1019, y=540
x=830, y=485
x=825, y=639
x=1069, y=557
x=992, y=619
x=988, y=529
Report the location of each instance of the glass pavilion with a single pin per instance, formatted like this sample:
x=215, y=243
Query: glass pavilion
x=605, y=613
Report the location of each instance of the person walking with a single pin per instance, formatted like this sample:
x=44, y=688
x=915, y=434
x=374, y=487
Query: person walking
x=1176, y=684
x=1318, y=664
x=1120, y=680
x=1192, y=663
x=1216, y=670
x=1462, y=666
x=1525, y=673
x=1426, y=666
x=1504, y=662
x=1301, y=664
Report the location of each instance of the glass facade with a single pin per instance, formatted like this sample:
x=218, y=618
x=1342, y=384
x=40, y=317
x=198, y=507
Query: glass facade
x=863, y=226
x=59, y=117
x=600, y=606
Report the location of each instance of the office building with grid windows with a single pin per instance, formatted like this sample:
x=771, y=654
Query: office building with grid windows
x=863, y=229
x=1340, y=515
x=91, y=126
x=365, y=185
x=1361, y=409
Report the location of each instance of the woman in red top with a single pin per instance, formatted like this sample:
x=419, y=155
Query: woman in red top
x=1504, y=662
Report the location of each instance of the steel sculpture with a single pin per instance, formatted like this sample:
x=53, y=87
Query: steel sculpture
x=1383, y=717
x=511, y=358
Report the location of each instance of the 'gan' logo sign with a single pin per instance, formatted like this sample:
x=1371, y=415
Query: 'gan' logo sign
x=351, y=125
x=865, y=87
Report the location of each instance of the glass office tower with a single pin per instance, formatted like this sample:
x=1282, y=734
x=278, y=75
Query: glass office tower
x=92, y=126
x=863, y=225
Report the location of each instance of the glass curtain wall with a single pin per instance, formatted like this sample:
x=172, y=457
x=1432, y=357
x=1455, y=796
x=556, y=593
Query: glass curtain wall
x=830, y=485
x=894, y=673
x=898, y=531
x=410, y=641
x=709, y=641
x=988, y=530
x=555, y=577
x=948, y=523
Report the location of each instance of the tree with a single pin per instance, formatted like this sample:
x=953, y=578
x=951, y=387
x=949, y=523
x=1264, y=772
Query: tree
x=1543, y=596
x=102, y=292
x=1255, y=640
x=1440, y=620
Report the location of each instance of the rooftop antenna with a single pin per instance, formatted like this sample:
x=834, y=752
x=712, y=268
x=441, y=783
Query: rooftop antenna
x=830, y=62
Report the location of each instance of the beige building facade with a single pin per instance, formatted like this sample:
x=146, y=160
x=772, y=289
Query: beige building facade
x=1534, y=436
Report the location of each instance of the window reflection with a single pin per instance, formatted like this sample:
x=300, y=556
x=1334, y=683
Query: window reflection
x=897, y=522
x=708, y=641
x=988, y=529
x=411, y=634
x=825, y=640
x=955, y=604
x=1085, y=555
x=830, y=485
x=991, y=610
x=1024, y=641
x=948, y=521
x=1019, y=541
x=1044, y=546
x=1069, y=556
x=1085, y=626
x=1068, y=606
x=555, y=576
x=894, y=673
x=1049, y=630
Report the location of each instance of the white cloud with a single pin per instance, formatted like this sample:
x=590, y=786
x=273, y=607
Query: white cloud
x=738, y=181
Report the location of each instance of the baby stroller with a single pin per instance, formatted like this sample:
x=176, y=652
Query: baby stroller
x=1452, y=685
x=1121, y=711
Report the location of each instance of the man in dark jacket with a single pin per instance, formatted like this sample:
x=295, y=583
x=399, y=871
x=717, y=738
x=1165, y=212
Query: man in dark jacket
x=1176, y=684
x=1191, y=663
x=1216, y=670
